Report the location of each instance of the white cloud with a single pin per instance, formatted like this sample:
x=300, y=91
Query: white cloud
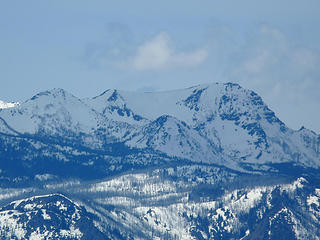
x=157, y=54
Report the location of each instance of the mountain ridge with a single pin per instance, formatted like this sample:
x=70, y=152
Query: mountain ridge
x=229, y=125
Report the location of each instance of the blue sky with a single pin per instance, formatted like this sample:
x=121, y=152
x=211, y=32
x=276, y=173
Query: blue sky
x=85, y=47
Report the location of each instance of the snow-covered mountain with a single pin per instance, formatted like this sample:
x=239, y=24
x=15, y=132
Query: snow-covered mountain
x=207, y=162
x=221, y=124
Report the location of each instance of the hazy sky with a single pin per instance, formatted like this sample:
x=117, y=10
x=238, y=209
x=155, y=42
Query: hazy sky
x=86, y=47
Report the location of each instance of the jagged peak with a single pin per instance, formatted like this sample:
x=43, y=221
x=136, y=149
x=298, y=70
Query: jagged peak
x=111, y=95
x=303, y=129
x=114, y=96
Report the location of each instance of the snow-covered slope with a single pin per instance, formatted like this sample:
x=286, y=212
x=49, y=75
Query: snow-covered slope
x=51, y=112
x=231, y=119
x=189, y=202
x=8, y=104
x=174, y=137
x=222, y=124
x=46, y=217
